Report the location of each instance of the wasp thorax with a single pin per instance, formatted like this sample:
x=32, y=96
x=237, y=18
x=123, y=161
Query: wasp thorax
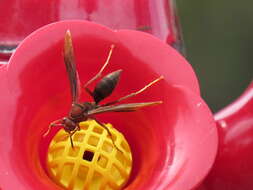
x=77, y=110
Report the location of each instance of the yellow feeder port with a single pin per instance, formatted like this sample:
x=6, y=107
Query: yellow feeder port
x=94, y=163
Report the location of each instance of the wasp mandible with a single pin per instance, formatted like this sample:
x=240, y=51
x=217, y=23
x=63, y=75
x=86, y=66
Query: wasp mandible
x=82, y=111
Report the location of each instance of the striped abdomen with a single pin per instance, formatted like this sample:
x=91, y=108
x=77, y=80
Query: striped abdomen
x=105, y=86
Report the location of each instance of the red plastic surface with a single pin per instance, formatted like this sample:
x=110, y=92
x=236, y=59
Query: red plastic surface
x=20, y=18
x=234, y=164
x=156, y=17
x=173, y=144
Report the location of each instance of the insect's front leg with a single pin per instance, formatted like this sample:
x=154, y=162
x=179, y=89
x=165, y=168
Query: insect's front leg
x=71, y=133
x=78, y=127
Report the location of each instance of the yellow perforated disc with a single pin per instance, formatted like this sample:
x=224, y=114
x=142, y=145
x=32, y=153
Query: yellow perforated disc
x=94, y=163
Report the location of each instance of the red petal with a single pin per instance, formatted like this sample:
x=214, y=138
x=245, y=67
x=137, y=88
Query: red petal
x=174, y=144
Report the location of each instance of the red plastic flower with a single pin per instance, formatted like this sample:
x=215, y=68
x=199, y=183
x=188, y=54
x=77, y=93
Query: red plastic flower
x=234, y=163
x=173, y=144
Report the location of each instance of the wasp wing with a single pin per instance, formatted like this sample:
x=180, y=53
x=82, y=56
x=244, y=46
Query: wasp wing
x=69, y=61
x=122, y=107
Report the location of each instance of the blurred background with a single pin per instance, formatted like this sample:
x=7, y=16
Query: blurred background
x=218, y=36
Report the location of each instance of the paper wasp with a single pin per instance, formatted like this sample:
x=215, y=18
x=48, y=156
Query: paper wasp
x=82, y=111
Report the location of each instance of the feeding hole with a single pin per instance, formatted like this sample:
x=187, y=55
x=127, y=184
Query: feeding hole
x=88, y=155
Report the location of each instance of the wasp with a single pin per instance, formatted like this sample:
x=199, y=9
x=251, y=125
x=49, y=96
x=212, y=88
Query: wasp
x=82, y=111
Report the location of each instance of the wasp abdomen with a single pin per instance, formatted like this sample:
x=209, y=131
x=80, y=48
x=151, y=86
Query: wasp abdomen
x=106, y=85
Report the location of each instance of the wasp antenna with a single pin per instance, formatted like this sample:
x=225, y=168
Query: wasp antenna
x=48, y=131
x=53, y=124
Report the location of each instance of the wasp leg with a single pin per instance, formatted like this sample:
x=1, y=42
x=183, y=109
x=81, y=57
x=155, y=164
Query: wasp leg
x=71, y=140
x=72, y=133
x=108, y=132
x=88, y=91
x=134, y=93
x=53, y=124
x=99, y=73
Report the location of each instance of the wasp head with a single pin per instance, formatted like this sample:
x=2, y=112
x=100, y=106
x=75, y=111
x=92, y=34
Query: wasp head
x=68, y=124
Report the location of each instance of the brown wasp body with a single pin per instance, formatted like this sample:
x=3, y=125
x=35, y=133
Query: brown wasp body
x=83, y=111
